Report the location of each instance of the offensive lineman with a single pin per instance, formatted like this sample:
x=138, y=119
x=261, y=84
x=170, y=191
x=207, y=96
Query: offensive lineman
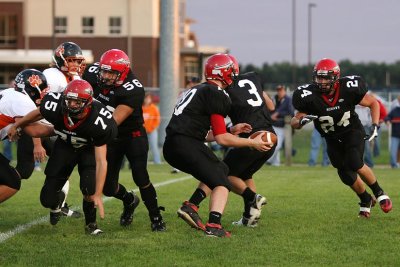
x=68, y=64
x=118, y=88
x=84, y=127
x=329, y=101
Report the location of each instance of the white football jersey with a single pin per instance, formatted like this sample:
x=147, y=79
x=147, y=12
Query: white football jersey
x=56, y=80
x=13, y=104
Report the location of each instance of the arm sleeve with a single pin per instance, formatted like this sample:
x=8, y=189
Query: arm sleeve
x=218, y=124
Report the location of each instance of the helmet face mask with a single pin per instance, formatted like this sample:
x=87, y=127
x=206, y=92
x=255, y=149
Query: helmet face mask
x=114, y=67
x=69, y=59
x=221, y=68
x=32, y=82
x=326, y=73
x=77, y=99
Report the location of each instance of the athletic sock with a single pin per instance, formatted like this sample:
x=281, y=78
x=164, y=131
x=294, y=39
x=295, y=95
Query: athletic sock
x=198, y=196
x=214, y=217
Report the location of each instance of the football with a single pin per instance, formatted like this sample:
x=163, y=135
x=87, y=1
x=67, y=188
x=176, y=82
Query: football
x=268, y=136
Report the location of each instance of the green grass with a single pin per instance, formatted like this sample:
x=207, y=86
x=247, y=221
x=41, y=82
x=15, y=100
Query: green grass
x=310, y=220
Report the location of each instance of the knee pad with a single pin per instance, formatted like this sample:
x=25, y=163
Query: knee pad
x=354, y=159
x=110, y=188
x=348, y=177
x=51, y=195
x=25, y=168
x=88, y=181
x=10, y=178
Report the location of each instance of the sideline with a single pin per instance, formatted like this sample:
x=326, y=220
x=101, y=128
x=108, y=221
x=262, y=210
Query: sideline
x=21, y=228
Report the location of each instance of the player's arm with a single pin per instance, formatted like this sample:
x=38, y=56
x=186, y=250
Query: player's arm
x=301, y=119
x=268, y=102
x=122, y=112
x=20, y=123
x=101, y=171
x=371, y=102
x=224, y=138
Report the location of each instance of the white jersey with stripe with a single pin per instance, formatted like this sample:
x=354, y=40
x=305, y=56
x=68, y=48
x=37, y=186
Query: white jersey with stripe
x=13, y=104
x=56, y=79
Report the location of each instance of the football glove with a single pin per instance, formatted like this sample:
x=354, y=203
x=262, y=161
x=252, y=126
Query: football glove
x=307, y=119
x=374, y=132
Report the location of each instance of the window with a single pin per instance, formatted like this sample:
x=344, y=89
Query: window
x=87, y=25
x=8, y=30
x=115, y=25
x=60, y=25
x=191, y=68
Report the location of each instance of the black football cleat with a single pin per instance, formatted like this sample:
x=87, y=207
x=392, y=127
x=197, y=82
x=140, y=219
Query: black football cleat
x=66, y=211
x=216, y=230
x=92, y=229
x=188, y=212
x=127, y=214
x=55, y=217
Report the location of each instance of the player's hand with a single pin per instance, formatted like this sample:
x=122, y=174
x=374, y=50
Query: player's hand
x=98, y=203
x=39, y=153
x=14, y=133
x=374, y=132
x=260, y=144
x=307, y=119
x=241, y=128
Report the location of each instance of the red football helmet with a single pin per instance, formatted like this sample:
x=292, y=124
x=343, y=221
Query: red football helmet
x=114, y=67
x=325, y=75
x=78, y=99
x=219, y=67
x=235, y=65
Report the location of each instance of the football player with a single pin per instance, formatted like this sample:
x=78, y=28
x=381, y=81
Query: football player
x=14, y=104
x=83, y=127
x=118, y=88
x=329, y=101
x=250, y=105
x=199, y=108
x=68, y=64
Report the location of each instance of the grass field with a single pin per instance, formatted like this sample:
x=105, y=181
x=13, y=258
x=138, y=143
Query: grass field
x=310, y=220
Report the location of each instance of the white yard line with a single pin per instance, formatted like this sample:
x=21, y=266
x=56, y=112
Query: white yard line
x=21, y=228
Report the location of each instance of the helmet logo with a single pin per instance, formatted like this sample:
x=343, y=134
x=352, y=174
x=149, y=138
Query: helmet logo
x=122, y=61
x=60, y=50
x=35, y=81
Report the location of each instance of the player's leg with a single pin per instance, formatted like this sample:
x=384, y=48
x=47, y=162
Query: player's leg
x=112, y=188
x=354, y=158
x=87, y=174
x=241, y=179
x=10, y=180
x=136, y=152
x=204, y=165
x=59, y=167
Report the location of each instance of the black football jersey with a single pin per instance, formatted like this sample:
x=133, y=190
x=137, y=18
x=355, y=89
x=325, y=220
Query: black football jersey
x=192, y=113
x=248, y=103
x=130, y=93
x=335, y=113
x=98, y=128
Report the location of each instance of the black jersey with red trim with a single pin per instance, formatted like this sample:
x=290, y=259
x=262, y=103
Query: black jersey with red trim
x=191, y=116
x=98, y=128
x=130, y=93
x=248, y=103
x=335, y=113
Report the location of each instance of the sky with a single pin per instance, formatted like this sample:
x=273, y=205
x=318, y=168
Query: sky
x=260, y=31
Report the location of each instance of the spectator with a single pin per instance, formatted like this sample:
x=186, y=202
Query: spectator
x=365, y=117
x=316, y=141
x=283, y=108
x=394, y=118
x=151, y=116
